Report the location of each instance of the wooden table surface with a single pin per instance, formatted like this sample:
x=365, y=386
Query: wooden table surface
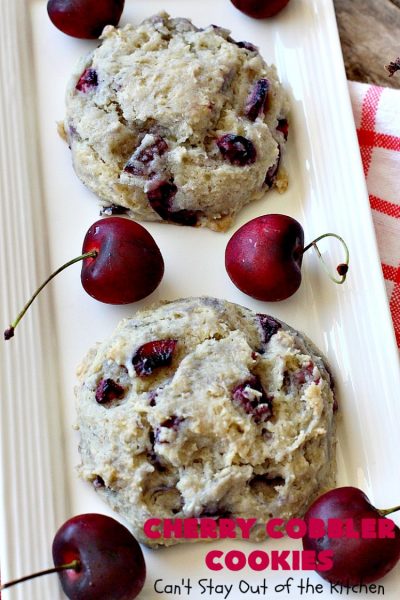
x=370, y=36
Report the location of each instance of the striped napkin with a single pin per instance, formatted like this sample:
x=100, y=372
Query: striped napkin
x=377, y=117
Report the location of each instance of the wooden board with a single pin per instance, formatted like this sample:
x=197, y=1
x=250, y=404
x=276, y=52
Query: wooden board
x=370, y=36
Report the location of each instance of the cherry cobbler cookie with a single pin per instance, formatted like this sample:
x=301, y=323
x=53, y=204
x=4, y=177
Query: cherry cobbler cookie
x=169, y=122
x=203, y=408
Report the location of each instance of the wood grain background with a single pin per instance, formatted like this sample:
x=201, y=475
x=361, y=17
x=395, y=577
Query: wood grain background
x=370, y=36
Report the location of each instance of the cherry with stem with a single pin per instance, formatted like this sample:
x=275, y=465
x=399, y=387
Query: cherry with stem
x=264, y=257
x=96, y=558
x=121, y=263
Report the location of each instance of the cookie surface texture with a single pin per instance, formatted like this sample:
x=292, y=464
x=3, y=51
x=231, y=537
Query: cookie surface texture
x=203, y=408
x=168, y=122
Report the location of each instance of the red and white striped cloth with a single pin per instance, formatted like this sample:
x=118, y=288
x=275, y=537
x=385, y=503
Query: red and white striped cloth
x=377, y=117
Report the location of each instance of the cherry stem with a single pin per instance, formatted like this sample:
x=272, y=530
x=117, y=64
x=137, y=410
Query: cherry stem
x=388, y=511
x=75, y=565
x=342, y=268
x=9, y=333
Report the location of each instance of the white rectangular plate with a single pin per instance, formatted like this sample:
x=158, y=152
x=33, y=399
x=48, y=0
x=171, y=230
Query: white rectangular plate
x=45, y=213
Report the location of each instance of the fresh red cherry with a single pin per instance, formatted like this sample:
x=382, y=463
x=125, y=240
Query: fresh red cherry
x=264, y=257
x=121, y=264
x=260, y=9
x=359, y=559
x=111, y=562
x=96, y=558
x=84, y=18
x=127, y=266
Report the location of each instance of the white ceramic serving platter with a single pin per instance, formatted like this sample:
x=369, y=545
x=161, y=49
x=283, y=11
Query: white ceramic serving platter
x=45, y=213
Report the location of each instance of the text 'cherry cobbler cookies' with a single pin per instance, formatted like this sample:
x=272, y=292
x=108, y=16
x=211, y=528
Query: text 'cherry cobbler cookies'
x=203, y=408
x=169, y=122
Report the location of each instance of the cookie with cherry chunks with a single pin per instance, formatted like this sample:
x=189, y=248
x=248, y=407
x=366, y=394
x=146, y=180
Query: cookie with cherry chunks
x=200, y=389
x=188, y=140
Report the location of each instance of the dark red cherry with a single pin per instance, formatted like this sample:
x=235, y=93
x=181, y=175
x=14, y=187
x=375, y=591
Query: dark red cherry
x=356, y=560
x=263, y=258
x=251, y=397
x=140, y=162
x=237, y=149
x=111, y=562
x=269, y=326
x=96, y=558
x=152, y=355
x=255, y=104
x=128, y=265
x=84, y=18
x=260, y=9
x=108, y=390
x=87, y=81
x=161, y=196
x=121, y=264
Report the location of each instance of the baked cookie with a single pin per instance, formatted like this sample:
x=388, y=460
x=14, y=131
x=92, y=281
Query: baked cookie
x=202, y=408
x=168, y=122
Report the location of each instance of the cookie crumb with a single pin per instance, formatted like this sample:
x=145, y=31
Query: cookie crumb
x=61, y=130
